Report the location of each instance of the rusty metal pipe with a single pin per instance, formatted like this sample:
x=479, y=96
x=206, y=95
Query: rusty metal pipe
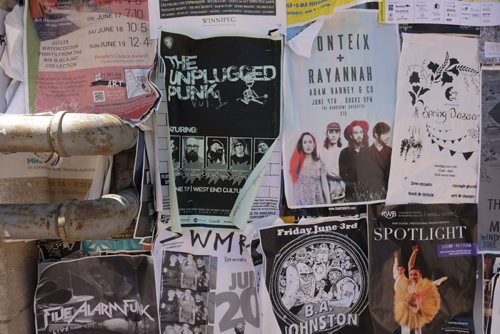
x=70, y=220
x=66, y=134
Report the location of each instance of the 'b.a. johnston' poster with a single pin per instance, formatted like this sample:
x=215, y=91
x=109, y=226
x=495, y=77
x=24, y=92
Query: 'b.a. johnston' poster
x=436, y=139
x=109, y=294
x=206, y=283
x=223, y=101
x=316, y=276
x=340, y=109
x=423, y=268
x=489, y=184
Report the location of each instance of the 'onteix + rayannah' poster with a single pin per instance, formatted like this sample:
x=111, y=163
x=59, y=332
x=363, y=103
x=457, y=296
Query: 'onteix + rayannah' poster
x=108, y=294
x=206, y=283
x=436, y=134
x=316, y=277
x=339, y=113
x=224, y=102
x=423, y=268
x=489, y=182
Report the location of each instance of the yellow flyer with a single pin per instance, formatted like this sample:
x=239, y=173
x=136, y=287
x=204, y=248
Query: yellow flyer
x=299, y=12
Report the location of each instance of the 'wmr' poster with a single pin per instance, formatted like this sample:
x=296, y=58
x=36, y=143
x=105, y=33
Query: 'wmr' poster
x=489, y=184
x=423, y=268
x=206, y=283
x=436, y=139
x=340, y=109
x=224, y=103
x=316, y=276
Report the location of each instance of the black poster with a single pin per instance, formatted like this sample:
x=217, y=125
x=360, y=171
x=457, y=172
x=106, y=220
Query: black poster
x=423, y=268
x=223, y=100
x=112, y=294
x=316, y=274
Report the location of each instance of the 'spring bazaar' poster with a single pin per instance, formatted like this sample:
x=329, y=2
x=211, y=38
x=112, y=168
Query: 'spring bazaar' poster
x=423, y=268
x=339, y=117
x=224, y=102
x=436, y=138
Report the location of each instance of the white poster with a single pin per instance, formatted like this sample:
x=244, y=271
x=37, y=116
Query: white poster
x=340, y=108
x=206, y=283
x=437, y=116
x=455, y=12
x=216, y=17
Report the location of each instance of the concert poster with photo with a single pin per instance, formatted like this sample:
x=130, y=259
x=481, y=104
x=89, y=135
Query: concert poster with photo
x=423, y=268
x=316, y=276
x=437, y=136
x=339, y=118
x=206, y=283
x=106, y=294
x=224, y=101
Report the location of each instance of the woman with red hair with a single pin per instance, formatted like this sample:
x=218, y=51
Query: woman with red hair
x=308, y=173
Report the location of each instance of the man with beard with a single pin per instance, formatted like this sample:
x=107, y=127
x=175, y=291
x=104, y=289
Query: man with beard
x=378, y=163
x=216, y=154
x=352, y=159
x=191, y=157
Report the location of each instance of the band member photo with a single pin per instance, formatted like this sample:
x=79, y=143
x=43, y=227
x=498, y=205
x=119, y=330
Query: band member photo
x=379, y=161
x=308, y=173
x=261, y=147
x=240, y=153
x=216, y=153
x=330, y=153
x=353, y=159
x=175, y=143
x=192, y=153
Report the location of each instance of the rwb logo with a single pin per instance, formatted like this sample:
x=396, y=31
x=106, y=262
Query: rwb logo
x=389, y=214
